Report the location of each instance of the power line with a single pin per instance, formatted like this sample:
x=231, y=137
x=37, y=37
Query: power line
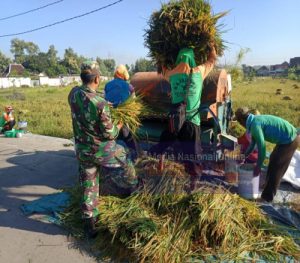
x=62, y=21
x=30, y=11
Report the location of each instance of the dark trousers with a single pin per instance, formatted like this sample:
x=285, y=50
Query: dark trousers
x=189, y=149
x=279, y=162
x=9, y=125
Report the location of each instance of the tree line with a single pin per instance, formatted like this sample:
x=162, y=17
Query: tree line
x=36, y=61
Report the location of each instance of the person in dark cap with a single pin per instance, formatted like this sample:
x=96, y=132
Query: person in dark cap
x=96, y=148
x=274, y=130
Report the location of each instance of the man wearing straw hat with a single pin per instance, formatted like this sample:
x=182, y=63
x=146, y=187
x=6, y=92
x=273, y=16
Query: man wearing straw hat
x=96, y=148
x=274, y=130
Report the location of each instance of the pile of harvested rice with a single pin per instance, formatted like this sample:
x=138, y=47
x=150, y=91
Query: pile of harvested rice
x=183, y=24
x=211, y=225
x=171, y=180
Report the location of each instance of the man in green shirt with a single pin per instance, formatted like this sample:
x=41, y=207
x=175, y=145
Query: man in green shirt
x=186, y=81
x=96, y=148
x=274, y=130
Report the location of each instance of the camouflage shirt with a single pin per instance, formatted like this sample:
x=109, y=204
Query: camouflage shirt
x=93, y=128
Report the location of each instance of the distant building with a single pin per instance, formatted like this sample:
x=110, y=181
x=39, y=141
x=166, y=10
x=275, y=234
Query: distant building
x=263, y=71
x=295, y=62
x=279, y=69
x=247, y=69
x=14, y=70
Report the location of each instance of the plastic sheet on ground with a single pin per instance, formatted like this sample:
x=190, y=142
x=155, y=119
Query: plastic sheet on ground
x=50, y=204
x=292, y=175
x=283, y=216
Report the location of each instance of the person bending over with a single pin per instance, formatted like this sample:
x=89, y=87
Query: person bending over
x=274, y=130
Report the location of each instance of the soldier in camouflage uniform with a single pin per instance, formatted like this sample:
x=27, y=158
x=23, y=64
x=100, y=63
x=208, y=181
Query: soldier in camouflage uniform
x=96, y=148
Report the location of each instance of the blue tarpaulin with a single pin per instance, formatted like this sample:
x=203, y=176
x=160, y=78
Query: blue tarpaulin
x=285, y=217
x=50, y=204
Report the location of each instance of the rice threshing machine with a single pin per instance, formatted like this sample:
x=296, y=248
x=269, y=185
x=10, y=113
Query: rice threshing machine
x=215, y=109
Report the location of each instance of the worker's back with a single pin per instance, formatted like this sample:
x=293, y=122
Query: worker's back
x=275, y=130
x=117, y=91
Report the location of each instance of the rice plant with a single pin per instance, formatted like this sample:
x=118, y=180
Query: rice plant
x=183, y=24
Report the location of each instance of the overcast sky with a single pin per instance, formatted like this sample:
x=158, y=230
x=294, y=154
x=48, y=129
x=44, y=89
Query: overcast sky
x=270, y=28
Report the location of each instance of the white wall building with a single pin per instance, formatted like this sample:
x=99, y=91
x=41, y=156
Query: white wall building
x=14, y=82
x=42, y=81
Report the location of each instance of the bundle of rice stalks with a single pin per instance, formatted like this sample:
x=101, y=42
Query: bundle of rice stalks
x=226, y=227
x=172, y=180
x=125, y=226
x=129, y=113
x=183, y=24
x=209, y=225
x=216, y=225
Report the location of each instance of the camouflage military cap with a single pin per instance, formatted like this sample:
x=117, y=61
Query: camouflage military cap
x=91, y=65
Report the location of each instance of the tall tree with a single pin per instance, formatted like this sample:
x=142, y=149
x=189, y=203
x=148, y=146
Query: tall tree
x=20, y=49
x=144, y=65
x=72, y=61
x=37, y=63
x=110, y=65
x=52, y=55
x=103, y=69
x=4, y=62
x=56, y=67
x=45, y=63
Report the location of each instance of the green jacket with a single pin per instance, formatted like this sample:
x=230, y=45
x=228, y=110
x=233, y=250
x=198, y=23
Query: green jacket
x=2, y=121
x=179, y=78
x=271, y=129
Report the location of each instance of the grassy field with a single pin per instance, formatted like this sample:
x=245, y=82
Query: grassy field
x=47, y=111
x=261, y=95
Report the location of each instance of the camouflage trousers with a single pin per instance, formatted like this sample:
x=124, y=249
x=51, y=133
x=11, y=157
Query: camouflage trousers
x=99, y=180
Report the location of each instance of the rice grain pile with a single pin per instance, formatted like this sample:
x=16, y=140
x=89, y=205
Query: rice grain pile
x=183, y=24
